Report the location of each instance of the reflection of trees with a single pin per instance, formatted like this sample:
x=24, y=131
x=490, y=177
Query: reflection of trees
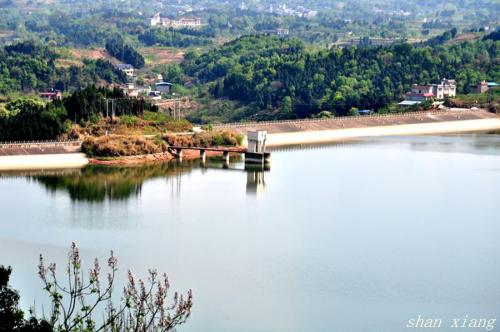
x=98, y=183
x=458, y=143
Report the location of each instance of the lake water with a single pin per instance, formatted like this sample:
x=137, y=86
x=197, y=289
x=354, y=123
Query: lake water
x=360, y=236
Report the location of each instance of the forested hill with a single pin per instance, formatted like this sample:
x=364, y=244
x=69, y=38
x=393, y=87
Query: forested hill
x=269, y=71
x=29, y=66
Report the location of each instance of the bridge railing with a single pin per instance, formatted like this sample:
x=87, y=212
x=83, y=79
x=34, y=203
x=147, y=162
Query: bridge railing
x=39, y=143
x=342, y=118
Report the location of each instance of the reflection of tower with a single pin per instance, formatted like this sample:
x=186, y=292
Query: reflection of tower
x=176, y=187
x=175, y=182
x=255, y=183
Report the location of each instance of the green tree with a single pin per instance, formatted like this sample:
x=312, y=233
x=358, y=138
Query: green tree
x=353, y=111
x=124, y=52
x=11, y=317
x=32, y=119
x=287, y=105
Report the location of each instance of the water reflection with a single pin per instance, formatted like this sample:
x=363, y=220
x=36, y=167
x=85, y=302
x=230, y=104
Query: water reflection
x=256, y=184
x=96, y=184
x=100, y=183
x=366, y=231
x=472, y=143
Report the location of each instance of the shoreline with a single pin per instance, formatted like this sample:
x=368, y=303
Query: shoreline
x=275, y=138
x=132, y=160
x=149, y=158
x=334, y=135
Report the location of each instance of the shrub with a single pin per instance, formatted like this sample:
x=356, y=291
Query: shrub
x=178, y=125
x=205, y=139
x=128, y=120
x=117, y=146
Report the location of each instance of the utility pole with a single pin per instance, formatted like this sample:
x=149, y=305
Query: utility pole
x=179, y=106
x=107, y=110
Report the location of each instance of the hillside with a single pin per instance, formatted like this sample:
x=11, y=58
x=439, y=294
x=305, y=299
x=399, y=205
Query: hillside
x=282, y=74
x=32, y=67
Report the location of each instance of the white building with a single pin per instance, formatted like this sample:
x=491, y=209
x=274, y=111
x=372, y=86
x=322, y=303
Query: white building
x=156, y=20
x=183, y=22
x=282, y=32
x=126, y=68
x=186, y=22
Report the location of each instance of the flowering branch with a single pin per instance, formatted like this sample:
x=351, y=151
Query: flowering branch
x=142, y=308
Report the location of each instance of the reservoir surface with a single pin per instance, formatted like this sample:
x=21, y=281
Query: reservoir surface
x=359, y=236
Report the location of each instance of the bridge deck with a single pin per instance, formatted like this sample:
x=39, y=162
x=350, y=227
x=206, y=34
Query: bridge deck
x=214, y=149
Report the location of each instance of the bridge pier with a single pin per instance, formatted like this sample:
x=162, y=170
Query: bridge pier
x=225, y=156
x=179, y=153
x=203, y=155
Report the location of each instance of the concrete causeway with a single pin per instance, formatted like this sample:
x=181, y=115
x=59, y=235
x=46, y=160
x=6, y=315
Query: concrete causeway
x=354, y=122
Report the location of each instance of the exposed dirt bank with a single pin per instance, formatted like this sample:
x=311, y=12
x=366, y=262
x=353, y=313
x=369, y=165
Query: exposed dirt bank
x=150, y=158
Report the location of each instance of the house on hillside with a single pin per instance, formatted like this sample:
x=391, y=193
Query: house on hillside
x=163, y=87
x=481, y=87
x=154, y=95
x=282, y=32
x=420, y=93
x=484, y=87
x=51, y=95
x=183, y=22
x=155, y=20
x=126, y=68
x=187, y=22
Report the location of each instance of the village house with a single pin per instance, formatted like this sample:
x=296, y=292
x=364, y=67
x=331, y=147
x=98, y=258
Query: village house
x=282, y=32
x=481, y=87
x=183, y=22
x=420, y=93
x=484, y=87
x=154, y=95
x=131, y=90
x=51, y=95
x=126, y=68
x=163, y=87
x=187, y=22
x=156, y=20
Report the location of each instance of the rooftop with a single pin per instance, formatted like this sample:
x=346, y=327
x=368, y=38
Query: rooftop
x=409, y=103
x=124, y=66
x=420, y=94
